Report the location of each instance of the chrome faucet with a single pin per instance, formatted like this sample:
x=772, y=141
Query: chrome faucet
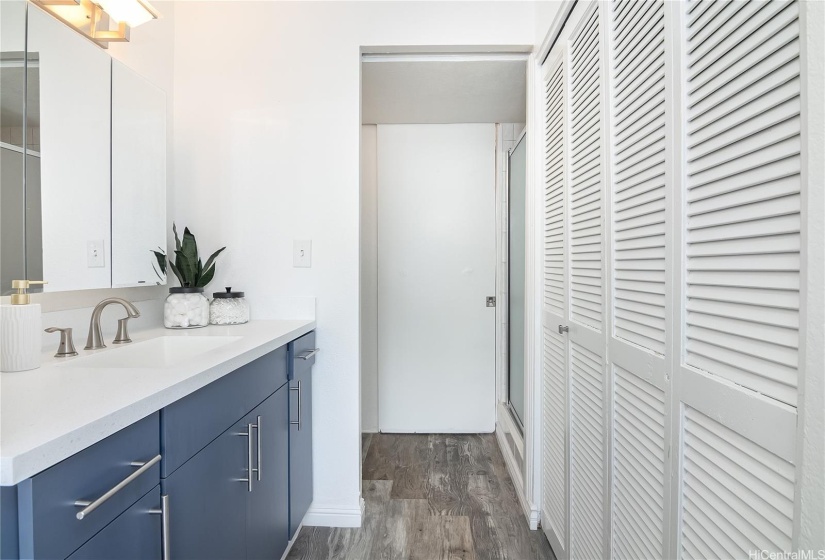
x=95, y=339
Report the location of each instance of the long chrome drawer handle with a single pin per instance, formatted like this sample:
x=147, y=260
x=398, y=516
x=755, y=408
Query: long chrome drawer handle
x=298, y=421
x=89, y=507
x=250, y=470
x=258, y=470
x=164, y=521
x=309, y=354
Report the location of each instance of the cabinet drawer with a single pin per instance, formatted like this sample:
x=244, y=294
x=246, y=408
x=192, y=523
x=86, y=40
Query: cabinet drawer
x=48, y=523
x=301, y=357
x=188, y=425
x=135, y=535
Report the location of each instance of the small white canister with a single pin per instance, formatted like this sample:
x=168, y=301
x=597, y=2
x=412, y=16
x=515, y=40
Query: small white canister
x=185, y=308
x=228, y=308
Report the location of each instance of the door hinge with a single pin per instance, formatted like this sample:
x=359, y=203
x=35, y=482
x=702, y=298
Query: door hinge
x=491, y=301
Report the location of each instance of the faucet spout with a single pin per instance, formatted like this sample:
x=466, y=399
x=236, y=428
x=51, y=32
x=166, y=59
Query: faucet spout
x=95, y=339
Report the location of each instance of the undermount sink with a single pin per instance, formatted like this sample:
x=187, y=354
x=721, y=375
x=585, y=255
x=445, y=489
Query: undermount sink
x=161, y=352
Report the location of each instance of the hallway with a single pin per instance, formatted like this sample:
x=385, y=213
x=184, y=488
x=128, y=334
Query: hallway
x=431, y=497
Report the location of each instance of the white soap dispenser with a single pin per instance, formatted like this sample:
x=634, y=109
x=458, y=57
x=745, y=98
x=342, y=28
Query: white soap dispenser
x=20, y=330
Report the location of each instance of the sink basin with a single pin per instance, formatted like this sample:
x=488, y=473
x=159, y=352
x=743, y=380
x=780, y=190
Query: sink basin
x=161, y=352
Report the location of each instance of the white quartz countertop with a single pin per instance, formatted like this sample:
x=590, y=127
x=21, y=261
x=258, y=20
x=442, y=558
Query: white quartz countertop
x=51, y=413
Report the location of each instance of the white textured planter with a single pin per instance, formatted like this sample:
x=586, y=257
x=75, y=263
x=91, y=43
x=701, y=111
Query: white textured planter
x=185, y=308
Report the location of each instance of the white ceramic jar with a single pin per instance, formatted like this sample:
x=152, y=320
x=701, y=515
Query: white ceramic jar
x=228, y=308
x=185, y=308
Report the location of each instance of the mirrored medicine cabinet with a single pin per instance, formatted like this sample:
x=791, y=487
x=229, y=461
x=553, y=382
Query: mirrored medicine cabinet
x=82, y=160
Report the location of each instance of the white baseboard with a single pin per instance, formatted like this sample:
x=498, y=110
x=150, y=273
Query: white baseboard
x=334, y=516
x=531, y=514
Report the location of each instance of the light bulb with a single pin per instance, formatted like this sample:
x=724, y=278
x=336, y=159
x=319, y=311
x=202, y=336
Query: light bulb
x=130, y=12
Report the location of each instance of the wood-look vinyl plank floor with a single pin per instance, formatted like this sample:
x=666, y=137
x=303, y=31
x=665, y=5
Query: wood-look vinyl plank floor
x=431, y=497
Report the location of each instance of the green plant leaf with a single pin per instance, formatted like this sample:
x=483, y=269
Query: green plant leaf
x=211, y=259
x=177, y=239
x=189, y=246
x=206, y=277
x=187, y=269
x=160, y=256
x=176, y=272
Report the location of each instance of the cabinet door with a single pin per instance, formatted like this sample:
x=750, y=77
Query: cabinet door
x=207, y=500
x=268, y=505
x=300, y=447
x=134, y=535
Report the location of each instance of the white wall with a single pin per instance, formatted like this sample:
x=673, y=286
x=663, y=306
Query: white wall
x=267, y=126
x=546, y=11
x=369, y=279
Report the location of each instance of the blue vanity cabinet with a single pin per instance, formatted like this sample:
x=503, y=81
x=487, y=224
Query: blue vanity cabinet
x=302, y=353
x=189, y=424
x=226, y=469
x=207, y=500
x=48, y=523
x=8, y=522
x=134, y=535
x=267, y=517
x=230, y=498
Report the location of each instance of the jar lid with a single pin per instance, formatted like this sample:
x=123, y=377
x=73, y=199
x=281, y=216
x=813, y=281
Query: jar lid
x=185, y=290
x=227, y=294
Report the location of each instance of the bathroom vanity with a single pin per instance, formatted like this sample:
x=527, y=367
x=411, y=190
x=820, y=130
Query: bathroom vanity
x=182, y=445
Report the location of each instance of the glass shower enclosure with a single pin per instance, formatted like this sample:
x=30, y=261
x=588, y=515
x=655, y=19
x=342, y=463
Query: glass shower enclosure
x=516, y=196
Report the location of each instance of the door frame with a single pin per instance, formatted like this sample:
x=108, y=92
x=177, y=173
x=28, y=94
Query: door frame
x=527, y=476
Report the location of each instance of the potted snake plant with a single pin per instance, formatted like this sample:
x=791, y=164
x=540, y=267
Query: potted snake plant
x=186, y=307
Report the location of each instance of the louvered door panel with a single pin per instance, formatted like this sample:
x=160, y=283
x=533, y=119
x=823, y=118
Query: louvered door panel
x=639, y=187
x=554, y=438
x=586, y=173
x=737, y=497
x=639, y=456
x=586, y=335
x=554, y=188
x=587, y=454
x=554, y=345
x=743, y=194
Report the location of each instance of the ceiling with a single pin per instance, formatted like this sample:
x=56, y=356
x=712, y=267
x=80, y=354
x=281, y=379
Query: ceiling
x=443, y=90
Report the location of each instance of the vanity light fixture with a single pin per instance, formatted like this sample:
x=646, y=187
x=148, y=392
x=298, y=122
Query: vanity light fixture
x=130, y=12
x=104, y=21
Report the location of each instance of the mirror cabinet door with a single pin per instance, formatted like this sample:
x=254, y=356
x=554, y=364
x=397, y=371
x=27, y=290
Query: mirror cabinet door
x=138, y=178
x=13, y=137
x=71, y=86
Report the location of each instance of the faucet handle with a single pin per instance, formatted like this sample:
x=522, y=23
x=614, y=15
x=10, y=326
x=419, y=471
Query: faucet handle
x=122, y=336
x=66, y=348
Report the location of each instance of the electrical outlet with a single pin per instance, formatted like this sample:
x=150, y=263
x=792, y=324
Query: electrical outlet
x=94, y=254
x=302, y=254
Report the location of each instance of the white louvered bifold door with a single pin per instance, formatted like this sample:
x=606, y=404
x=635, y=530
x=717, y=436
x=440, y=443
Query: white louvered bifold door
x=640, y=314
x=586, y=313
x=741, y=279
x=554, y=513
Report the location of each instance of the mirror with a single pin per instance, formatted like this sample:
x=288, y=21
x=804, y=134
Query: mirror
x=138, y=178
x=83, y=160
x=13, y=139
x=73, y=84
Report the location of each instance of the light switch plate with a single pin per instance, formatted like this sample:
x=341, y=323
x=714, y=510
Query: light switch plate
x=302, y=254
x=95, y=254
